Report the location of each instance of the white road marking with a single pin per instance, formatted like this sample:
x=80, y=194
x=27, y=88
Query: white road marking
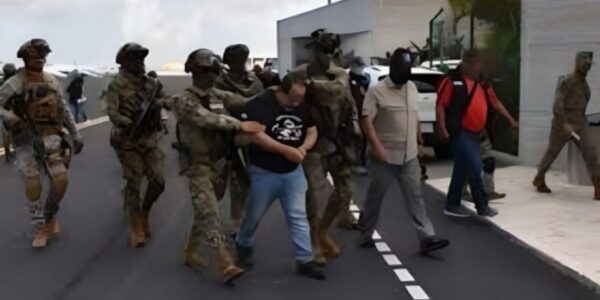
x=383, y=247
x=392, y=260
x=376, y=235
x=404, y=275
x=80, y=126
x=417, y=292
x=91, y=123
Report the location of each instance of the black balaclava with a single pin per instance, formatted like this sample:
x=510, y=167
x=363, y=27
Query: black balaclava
x=400, y=66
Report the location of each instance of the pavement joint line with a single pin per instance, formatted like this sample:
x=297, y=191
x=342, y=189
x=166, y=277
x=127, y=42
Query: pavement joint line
x=80, y=126
x=404, y=275
x=392, y=260
x=417, y=292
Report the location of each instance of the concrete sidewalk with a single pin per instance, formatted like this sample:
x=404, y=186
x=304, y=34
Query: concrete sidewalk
x=562, y=228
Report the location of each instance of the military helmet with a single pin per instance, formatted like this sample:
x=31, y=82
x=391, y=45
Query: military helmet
x=327, y=41
x=131, y=48
x=584, y=55
x=9, y=69
x=32, y=47
x=203, y=58
x=235, y=50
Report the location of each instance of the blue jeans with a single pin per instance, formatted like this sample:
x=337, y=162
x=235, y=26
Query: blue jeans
x=290, y=189
x=77, y=110
x=466, y=148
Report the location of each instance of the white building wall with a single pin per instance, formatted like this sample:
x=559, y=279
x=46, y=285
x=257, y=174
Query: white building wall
x=553, y=31
x=370, y=27
x=343, y=17
x=399, y=22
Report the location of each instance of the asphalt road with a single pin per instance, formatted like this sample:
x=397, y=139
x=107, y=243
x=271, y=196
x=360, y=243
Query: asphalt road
x=91, y=259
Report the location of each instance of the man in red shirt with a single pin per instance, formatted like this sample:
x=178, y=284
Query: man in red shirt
x=462, y=109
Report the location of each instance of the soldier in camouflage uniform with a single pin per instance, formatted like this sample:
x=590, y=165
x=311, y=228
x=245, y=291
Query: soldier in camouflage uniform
x=33, y=108
x=571, y=100
x=245, y=84
x=335, y=115
x=133, y=107
x=202, y=134
x=8, y=70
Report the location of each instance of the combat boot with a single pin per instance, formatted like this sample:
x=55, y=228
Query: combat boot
x=540, y=184
x=597, y=189
x=146, y=225
x=40, y=240
x=191, y=258
x=52, y=226
x=135, y=231
x=229, y=271
x=319, y=258
x=330, y=249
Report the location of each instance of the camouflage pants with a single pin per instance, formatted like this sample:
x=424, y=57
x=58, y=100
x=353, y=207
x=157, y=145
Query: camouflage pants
x=31, y=170
x=206, y=226
x=559, y=138
x=239, y=187
x=320, y=190
x=138, y=164
x=6, y=142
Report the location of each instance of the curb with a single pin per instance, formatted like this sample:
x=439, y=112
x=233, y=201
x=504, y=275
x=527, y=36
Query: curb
x=560, y=267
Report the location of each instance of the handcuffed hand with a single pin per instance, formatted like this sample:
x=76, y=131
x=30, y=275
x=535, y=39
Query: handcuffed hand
x=252, y=127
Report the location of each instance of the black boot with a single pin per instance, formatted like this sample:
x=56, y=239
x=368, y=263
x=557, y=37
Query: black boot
x=310, y=270
x=245, y=257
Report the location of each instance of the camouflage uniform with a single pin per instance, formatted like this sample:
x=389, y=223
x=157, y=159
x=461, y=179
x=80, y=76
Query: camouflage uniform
x=49, y=113
x=202, y=135
x=333, y=111
x=8, y=70
x=247, y=87
x=572, y=97
x=140, y=157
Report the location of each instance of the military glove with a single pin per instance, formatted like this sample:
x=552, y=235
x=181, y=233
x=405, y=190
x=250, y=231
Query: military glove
x=124, y=121
x=78, y=144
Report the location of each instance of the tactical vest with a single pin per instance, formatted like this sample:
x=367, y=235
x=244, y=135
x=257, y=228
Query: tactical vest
x=461, y=100
x=131, y=104
x=203, y=145
x=43, y=105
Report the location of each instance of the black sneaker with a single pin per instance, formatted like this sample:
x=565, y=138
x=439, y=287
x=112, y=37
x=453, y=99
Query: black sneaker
x=433, y=243
x=245, y=257
x=365, y=241
x=458, y=212
x=487, y=212
x=310, y=270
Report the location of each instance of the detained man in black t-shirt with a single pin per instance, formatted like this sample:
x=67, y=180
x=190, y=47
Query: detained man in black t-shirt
x=276, y=169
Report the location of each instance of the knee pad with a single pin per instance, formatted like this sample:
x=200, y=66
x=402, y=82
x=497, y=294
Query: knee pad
x=61, y=181
x=489, y=165
x=33, y=188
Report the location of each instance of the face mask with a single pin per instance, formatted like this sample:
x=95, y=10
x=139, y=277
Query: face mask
x=400, y=73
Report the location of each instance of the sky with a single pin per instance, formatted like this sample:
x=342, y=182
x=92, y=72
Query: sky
x=86, y=32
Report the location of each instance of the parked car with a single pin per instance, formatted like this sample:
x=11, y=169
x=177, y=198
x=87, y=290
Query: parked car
x=426, y=81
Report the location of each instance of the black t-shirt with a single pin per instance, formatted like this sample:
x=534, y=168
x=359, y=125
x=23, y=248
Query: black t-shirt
x=286, y=127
